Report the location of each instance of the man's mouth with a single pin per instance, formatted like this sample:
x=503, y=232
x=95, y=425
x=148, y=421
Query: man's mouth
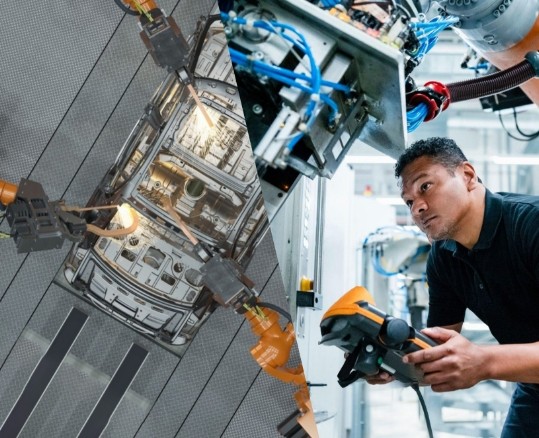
x=427, y=221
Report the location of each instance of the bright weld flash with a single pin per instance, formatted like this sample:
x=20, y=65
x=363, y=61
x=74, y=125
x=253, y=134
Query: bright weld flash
x=200, y=106
x=126, y=215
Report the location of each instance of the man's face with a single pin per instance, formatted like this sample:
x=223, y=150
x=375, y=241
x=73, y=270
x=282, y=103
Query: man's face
x=437, y=200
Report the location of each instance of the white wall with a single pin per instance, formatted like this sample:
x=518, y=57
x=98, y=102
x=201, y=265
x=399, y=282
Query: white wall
x=348, y=219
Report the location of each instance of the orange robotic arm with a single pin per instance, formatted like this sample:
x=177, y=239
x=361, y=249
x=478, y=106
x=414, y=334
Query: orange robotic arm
x=38, y=224
x=514, y=55
x=141, y=5
x=165, y=42
x=272, y=353
x=273, y=349
x=8, y=192
x=502, y=32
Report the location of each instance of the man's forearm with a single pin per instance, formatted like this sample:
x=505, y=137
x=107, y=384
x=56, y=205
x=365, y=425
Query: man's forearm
x=513, y=362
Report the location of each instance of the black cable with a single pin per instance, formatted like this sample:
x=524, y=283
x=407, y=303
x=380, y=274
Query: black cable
x=415, y=386
x=126, y=8
x=493, y=83
x=277, y=309
x=530, y=136
x=199, y=43
x=526, y=139
x=404, y=10
x=373, y=2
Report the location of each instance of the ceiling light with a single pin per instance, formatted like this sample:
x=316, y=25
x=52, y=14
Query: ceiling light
x=370, y=159
x=520, y=160
x=390, y=200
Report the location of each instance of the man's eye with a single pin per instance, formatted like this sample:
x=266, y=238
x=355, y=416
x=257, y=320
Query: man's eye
x=409, y=204
x=425, y=186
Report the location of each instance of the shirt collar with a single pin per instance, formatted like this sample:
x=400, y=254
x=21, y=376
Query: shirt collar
x=491, y=221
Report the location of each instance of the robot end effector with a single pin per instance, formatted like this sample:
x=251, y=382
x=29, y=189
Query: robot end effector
x=162, y=37
x=36, y=223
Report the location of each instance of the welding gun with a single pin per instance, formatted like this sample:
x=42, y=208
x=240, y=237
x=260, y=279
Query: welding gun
x=159, y=33
x=374, y=341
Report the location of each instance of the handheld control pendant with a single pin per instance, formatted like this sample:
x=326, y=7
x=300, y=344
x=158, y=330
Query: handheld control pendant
x=373, y=340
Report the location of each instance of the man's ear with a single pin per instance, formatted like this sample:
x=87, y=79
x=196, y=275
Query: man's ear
x=470, y=177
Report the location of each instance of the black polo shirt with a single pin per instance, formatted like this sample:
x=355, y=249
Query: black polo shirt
x=498, y=279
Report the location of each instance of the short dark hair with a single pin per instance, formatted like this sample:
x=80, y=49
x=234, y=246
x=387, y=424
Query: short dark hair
x=442, y=150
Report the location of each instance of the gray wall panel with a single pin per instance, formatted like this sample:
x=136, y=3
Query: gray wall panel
x=127, y=418
x=69, y=399
x=24, y=294
x=48, y=49
x=263, y=408
x=69, y=114
x=86, y=371
x=196, y=367
x=18, y=368
x=90, y=111
x=11, y=261
x=263, y=262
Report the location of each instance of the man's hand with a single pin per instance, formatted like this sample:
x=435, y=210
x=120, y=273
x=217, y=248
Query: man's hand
x=379, y=379
x=455, y=364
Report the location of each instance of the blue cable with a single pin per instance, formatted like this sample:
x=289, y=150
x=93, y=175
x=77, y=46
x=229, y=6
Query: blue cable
x=288, y=77
x=284, y=72
x=427, y=33
x=324, y=97
x=481, y=66
x=330, y=3
x=376, y=257
x=416, y=116
x=302, y=44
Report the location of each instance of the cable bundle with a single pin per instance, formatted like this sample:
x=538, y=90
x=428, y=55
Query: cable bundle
x=310, y=84
x=415, y=116
x=427, y=33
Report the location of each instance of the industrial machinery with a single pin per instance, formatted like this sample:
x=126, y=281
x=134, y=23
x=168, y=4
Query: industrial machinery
x=177, y=173
x=310, y=82
x=316, y=77
x=308, y=90
x=37, y=224
x=167, y=235
x=394, y=263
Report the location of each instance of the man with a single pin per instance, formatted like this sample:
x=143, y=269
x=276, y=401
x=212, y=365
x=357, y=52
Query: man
x=485, y=257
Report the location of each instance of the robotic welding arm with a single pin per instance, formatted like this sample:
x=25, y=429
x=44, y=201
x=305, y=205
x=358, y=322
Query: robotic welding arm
x=504, y=32
x=38, y=224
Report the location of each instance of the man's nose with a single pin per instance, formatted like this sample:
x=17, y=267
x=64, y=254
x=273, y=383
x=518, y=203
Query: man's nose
x=418, y=207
